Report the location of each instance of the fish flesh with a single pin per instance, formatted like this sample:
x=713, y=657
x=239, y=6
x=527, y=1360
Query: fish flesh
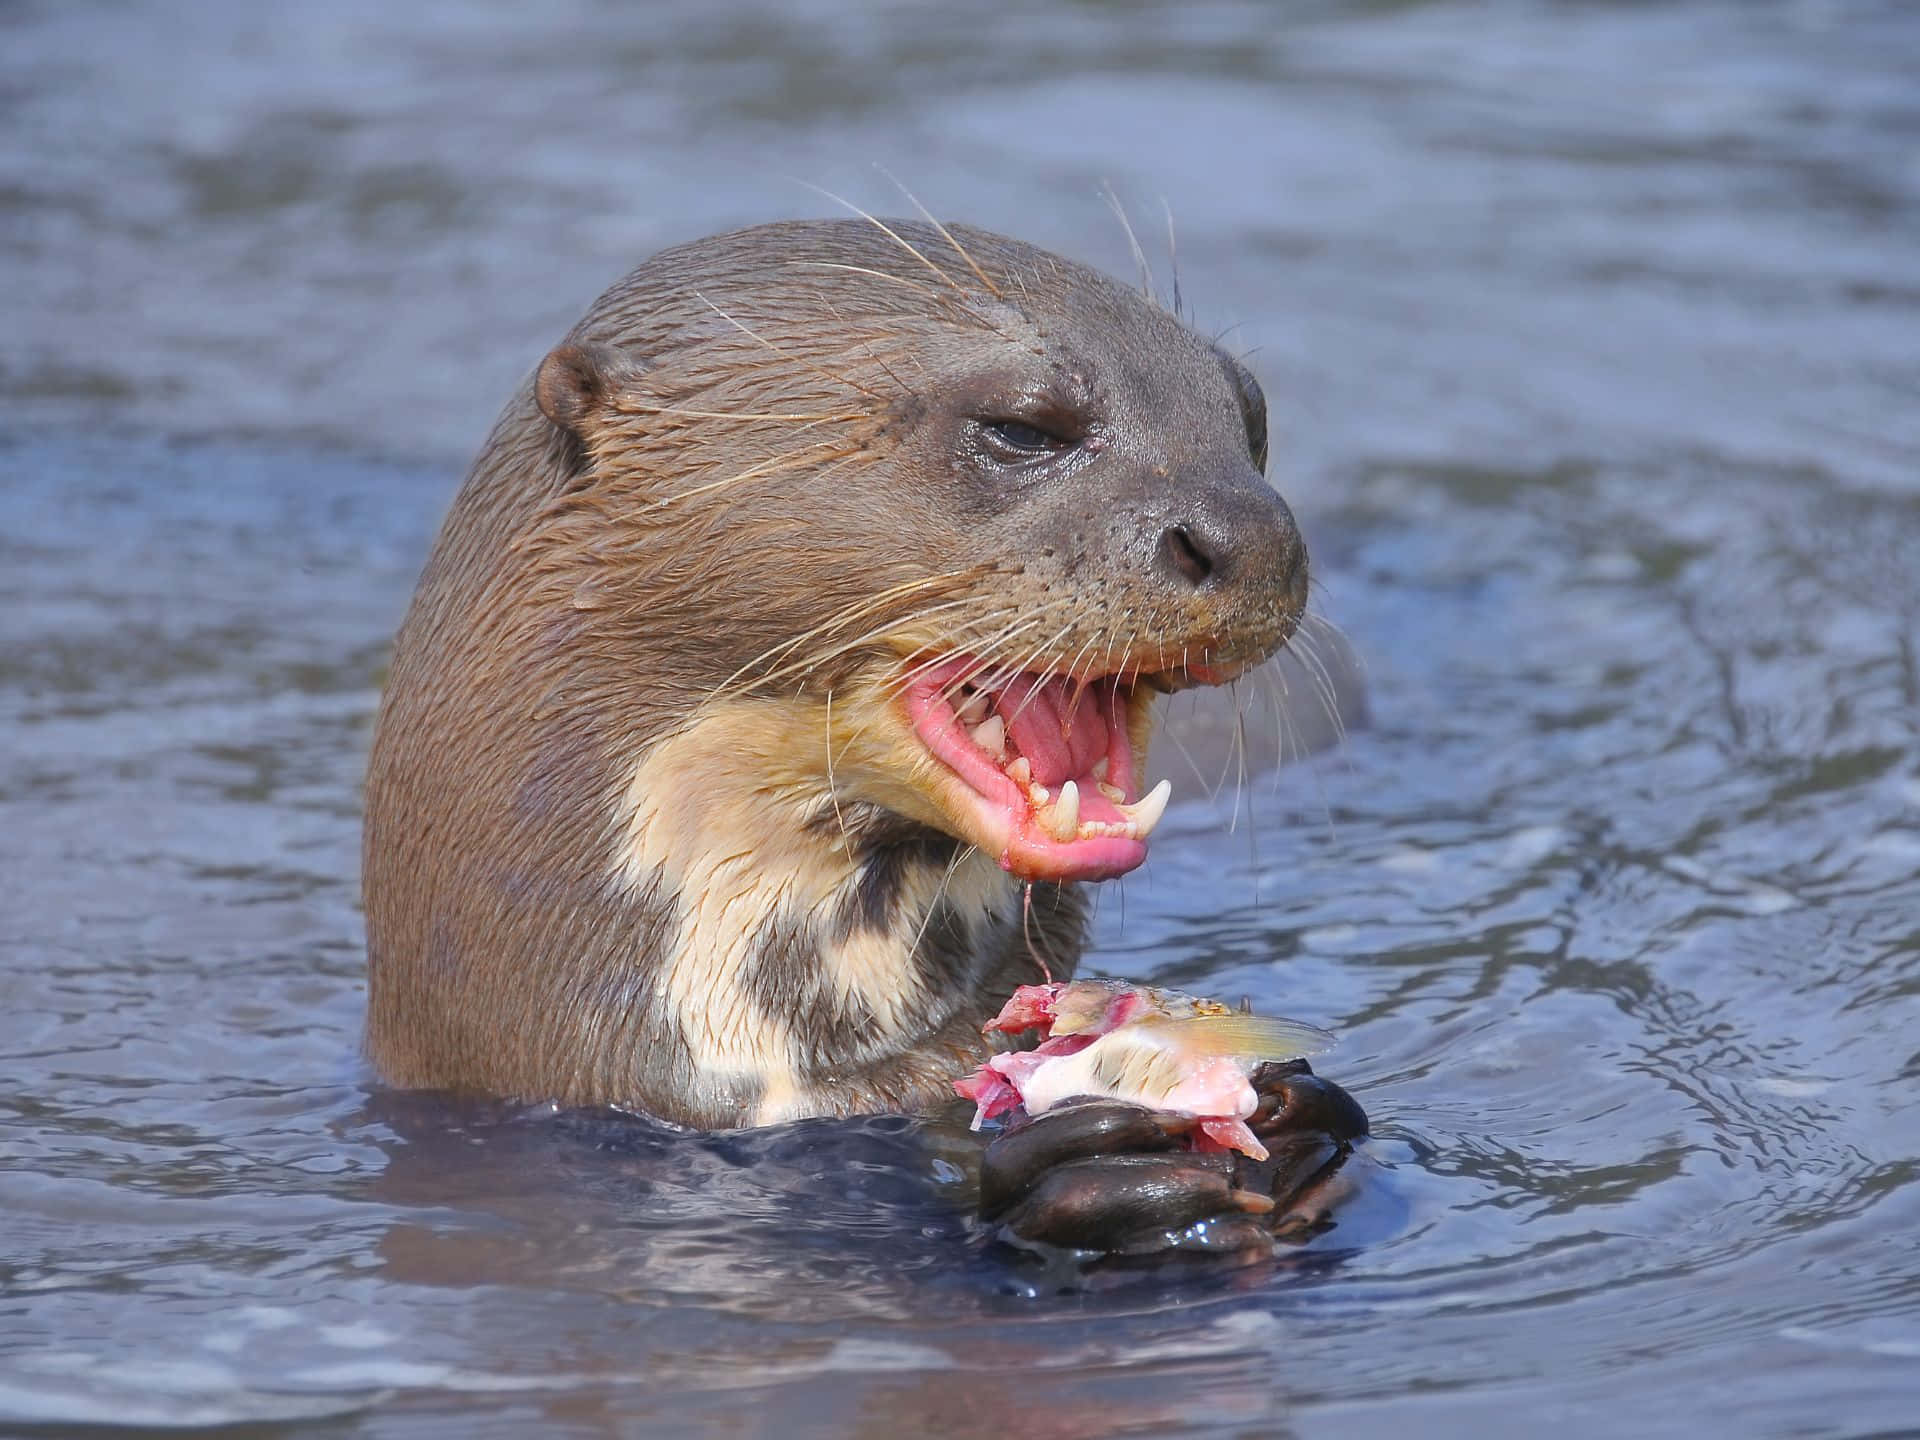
x=1165, y=1050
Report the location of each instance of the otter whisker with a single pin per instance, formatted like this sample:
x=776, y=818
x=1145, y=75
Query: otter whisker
x=1324, y=689
x=1024, y=664
x=1219, y=784
x=1237, y=756
x=887, y=230
x=1199, y=777
x=1173, y=254
x=792, y=460
x=985, y=649
x=791, y=358
x=1321, y=621
x=1118, y=631
x=626, y=405
x=1025, y=667
x=1301, y=752
x=815, y=658
x=907, y=281
x=890, y=627
x=1081, y=682
x=851, y=646
x=982, y=652
x=945, y=234
x=901, y=620
x=898, y=627
x=1317, y=585
x=939, y=893
x=1073, y=668
x=998, y=671
x=1322, y=677
x=978, y=649
x=1133, y=241
x=1237, y=762
x=858, y=611
x=1285, y=732
x=833, y=789
x=1045, y=679
x=866, y=348
x=994, y=670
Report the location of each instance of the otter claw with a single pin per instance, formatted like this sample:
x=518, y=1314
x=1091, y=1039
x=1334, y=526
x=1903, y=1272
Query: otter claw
x=1116, y=1178
x=1018, y=1159
x=1112, y=1195
x=1293, y=1098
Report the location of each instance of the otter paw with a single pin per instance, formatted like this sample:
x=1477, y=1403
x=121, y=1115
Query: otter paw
x=1120, y=1179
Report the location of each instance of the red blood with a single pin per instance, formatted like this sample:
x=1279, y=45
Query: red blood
x=996, y=1087
x=1030, y=1008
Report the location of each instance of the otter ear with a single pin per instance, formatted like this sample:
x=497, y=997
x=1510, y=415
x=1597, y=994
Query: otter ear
x=1253, y=407
x=578, y=381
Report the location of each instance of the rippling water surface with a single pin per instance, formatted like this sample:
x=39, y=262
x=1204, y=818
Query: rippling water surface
x=1590, y=333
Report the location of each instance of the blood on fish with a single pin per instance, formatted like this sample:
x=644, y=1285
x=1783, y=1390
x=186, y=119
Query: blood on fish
x=1157, y=1048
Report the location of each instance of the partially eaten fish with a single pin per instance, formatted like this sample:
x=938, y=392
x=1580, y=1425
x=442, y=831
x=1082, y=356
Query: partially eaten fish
x=1157, y=1048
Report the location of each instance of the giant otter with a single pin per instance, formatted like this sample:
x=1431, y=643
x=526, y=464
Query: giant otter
x=787, y=662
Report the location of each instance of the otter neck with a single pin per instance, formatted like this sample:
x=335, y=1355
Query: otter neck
x=806, y=945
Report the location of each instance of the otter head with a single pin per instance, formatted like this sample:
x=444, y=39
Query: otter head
x=959, y=509
x=814, y=592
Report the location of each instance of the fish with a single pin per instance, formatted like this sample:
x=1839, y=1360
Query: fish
x=1162, y=1049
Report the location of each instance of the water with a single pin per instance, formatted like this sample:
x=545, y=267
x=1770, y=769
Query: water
x=1589, y=333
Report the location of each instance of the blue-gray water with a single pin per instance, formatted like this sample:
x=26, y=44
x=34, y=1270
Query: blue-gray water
x=1592, y=337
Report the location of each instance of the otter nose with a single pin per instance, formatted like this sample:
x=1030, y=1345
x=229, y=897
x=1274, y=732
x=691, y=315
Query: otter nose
x=1190, y=555
x=1230, y=536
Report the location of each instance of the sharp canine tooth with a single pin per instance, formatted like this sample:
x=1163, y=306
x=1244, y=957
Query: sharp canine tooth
x=1066, y=814
x=991, y=736
x=1146, y=812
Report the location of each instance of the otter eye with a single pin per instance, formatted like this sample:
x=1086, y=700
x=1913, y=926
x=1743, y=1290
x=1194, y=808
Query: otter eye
x=1257, y=437
x=1024, y=439
x=1253, y=408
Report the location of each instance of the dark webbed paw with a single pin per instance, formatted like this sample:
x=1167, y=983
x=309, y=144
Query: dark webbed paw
x=1106, y=1176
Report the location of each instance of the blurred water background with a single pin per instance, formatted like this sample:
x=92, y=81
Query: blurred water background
x=1592, y=338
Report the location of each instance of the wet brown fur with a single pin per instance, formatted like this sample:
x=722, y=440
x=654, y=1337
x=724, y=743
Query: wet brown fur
x=644, y=823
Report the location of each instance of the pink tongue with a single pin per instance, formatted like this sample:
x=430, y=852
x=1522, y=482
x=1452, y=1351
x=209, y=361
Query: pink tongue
x=1060, y=739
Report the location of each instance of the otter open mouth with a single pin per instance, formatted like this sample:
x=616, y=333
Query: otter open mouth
x=1045, y=767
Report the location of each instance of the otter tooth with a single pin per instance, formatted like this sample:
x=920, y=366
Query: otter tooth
x=1146, y=812
x=1100, y=768
x=1113, y=793
x=1062, y=818
x=973, y=709
x=1020, y=771
x=1066, y=814
x=991, y=736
